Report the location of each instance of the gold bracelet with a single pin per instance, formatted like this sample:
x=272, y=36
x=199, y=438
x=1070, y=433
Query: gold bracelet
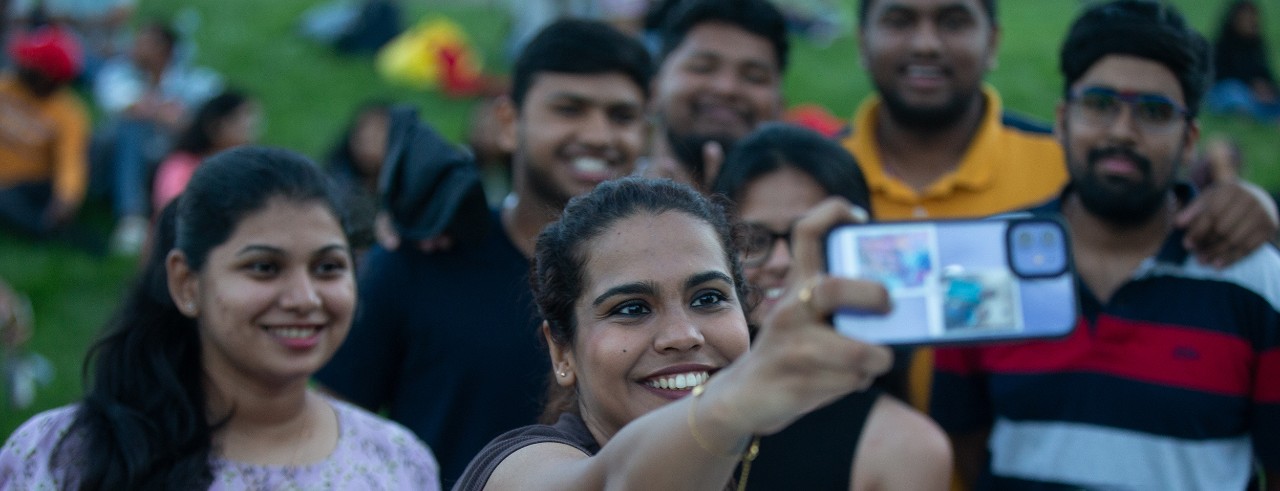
x=693, y=426
x=748, y=455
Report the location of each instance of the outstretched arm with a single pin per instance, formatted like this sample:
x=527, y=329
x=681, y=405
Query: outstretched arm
x=797, y=364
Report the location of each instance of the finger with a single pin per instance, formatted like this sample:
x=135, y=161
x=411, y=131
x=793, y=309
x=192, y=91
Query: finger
x=1188, y=213
x=831, y=294
x=1222, y=164
x=809, y=234
x=384, y=232
x=712, y=160
x=813, y=302
x=1198, y=231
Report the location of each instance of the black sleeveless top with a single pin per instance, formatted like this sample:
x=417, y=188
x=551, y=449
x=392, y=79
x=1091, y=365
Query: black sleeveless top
x=569, y=430
x=815, y=452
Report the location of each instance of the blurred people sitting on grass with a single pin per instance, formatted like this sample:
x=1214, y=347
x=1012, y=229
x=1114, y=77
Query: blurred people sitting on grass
x=201, y=378
x=101, y=26
x=1244, y=82
x=147, y=97
x=228, y=120
x=43, y=135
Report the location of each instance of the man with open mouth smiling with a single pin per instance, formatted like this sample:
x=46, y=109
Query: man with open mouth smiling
x=720, y=77
x=445, y=342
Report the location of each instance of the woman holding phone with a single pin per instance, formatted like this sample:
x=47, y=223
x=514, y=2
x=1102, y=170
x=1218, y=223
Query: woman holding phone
x=643, y=300
x=200, y=381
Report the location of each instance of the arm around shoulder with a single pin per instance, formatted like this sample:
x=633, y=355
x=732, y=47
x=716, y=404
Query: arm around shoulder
x=896, y=434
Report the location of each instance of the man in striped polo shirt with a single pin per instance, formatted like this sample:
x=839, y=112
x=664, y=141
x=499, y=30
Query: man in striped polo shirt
x=1172, y=378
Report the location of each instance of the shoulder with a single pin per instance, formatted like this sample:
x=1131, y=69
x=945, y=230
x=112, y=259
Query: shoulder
x=67, y=101
x=380, y=436
x=382, y=450
x=1026, y=135
x=517, y=452
x=1012, y=121
x=25, y=457
x=1258, y=272
x=897, y=433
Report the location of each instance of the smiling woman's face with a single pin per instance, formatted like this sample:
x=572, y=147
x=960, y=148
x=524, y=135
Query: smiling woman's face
x=774, y=202
x=275, y=300
x=658, y=314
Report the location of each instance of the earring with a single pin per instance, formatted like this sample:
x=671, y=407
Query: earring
x=562, y=374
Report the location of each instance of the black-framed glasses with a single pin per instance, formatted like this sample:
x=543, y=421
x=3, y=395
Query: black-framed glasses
x=756, y=243
x=1153, y=113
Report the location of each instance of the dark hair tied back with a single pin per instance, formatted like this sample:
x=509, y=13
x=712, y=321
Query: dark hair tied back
x=561, y=254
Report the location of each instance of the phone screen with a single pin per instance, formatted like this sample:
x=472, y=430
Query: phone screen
x=960, y=281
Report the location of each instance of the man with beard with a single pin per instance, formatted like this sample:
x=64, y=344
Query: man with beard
x=720, y=77
x=936, y=143
x=1169, y=380
x=447, y=342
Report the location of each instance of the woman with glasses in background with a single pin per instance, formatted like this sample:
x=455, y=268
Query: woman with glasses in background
x=774, y=176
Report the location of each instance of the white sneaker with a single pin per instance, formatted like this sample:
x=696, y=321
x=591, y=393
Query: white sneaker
x=129, y=236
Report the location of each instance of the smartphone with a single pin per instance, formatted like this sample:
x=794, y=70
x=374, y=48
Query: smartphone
x=958, y=281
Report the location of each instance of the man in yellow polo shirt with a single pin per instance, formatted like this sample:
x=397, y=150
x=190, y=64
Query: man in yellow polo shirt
x=934, y=142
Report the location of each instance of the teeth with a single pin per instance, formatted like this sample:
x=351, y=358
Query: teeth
x=923, y=71
x=590, y=164
x=293, y=332
x=683, y=381
x=773, y=293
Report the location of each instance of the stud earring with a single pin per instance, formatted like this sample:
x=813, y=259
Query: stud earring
x=562, y=374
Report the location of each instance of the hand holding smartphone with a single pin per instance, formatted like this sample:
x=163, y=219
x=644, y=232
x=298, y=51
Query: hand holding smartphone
x=958, y=281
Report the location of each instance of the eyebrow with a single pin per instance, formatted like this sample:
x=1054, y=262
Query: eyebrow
x=649, y=288
x=262, y=248
x=940, y=9
x=637, y=288
x=711, y=54
x=705, y=277
x=576, y=98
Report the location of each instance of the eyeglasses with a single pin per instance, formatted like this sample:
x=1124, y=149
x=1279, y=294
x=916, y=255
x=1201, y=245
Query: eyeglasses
x=1154, y=113
x=756, y=243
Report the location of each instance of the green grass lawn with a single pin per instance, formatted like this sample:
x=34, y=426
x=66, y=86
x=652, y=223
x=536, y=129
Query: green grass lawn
x=308, y=93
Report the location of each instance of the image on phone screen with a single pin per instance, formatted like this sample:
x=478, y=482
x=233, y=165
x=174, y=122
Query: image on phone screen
x=958, y=281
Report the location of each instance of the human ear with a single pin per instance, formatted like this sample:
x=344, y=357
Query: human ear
x=184, y=284
x=1060, y=122
x=505, y=112
x=562, y=362
x=993, y=49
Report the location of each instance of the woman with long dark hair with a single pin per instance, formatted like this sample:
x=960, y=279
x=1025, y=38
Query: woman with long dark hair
x=200, y=380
